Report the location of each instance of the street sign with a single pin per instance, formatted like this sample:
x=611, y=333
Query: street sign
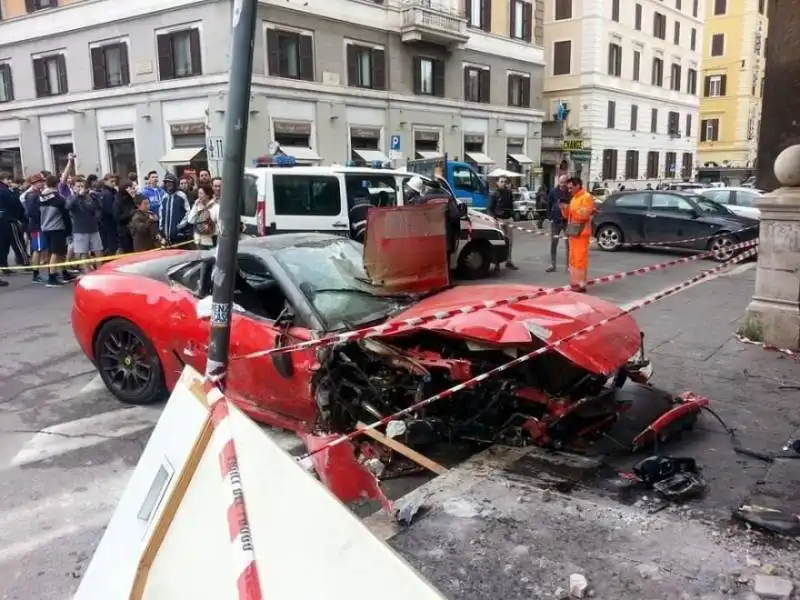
x=395, y=143
x=214, y=147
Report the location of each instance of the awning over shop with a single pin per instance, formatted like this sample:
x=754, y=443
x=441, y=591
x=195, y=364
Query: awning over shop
x=180, y=156
x=372, y=156
x=429, y=154
x=479, y=158
x=301, y=153
x=520, y=159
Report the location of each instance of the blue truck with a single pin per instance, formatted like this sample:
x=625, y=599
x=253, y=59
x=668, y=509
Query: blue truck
x=465, y=182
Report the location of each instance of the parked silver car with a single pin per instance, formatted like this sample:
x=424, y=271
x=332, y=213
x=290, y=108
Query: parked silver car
x=740, y=200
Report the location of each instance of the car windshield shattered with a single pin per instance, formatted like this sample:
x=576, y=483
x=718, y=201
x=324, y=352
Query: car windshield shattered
x=331, y=275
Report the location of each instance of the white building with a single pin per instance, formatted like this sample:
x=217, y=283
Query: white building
x=628, y=71
x=137, y=85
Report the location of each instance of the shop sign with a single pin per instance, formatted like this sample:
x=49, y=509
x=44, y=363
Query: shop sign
x=292, y=128
x=426, y=136
x=365, y=133
x=572, y=145
x=471, y=138
x=179, y=129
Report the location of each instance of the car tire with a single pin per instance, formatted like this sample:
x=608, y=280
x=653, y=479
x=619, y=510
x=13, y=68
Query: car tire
x=475, y=260
x=722, y=247
x=119, y=340
x=609, y=237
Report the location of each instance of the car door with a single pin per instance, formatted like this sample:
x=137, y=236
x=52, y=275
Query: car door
x=672, y=218
x=744, y=203
x=306, y=202
x=629, y=214
x=189, y=330
x=467, y=186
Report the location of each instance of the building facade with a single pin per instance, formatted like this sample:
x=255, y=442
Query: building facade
x=628, y=74
x=732, y=86
x=141, y=84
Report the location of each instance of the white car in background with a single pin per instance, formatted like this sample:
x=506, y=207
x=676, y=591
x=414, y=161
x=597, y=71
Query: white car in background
x=739, y=200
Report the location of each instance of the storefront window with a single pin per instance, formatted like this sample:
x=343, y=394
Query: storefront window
x=122, y=154
x=61, y=154
x=293, y=134
x=11, y=162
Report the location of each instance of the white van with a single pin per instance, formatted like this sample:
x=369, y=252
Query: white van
x=320, y=198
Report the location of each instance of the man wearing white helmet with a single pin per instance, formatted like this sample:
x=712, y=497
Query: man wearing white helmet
x=416, y=187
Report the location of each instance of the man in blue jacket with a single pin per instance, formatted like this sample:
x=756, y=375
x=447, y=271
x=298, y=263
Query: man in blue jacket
x=556, y=203
x=173, y=212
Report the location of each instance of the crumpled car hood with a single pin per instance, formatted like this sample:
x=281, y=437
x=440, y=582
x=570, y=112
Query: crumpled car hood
x=548, y=318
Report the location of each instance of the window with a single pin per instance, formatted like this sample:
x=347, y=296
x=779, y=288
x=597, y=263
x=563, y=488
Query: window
x=659, y=26
x=652, y=164
x=658, y=72
x=290, y=54
x=718, y=44
x=693, y=40
x=674, y=124
x=695, y=8
x=632, y=201
x=675, y=78
x=610, y=164
x=670, y=203
x=122, y=155
x=637, y=20
x=60, y=155
x=50, y=74
x=521, y=20
x=676, y=34
x=292, y=134
x=637, y=63
x=615, y=10
x=634, y=117
x=632, y=164
x=615, y=60
x=562, y=58
x=519, y=90
x=721, y=196
x=34, y=5
x=306, y=195
x=479, y=14
x=720, y=7
x=746, y=198
x=611, y=117
x=11, y=162
x=563, y=10
x=761, y=6
x=709, y=130
x=428, y=76
x=677, y=4
x=691, y=81
x=6, y=83
x=715, y=86
x=179, y=54
x=466, y=180
x=653, y=120
x=366, y=67
x=686, y=165
x=476, y=84
x=110, y=66
x=688, y=125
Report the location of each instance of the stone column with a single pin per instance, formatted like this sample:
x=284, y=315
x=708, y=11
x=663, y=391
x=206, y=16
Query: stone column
x=773, y=316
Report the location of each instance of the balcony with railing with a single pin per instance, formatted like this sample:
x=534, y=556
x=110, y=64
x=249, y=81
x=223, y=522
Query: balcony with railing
x=435, y=22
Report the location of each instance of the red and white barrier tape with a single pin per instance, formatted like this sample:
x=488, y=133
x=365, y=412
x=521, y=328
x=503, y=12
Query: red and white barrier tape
x=792, y=353
x=244, y=557
x=547, y=347
x=394, y=327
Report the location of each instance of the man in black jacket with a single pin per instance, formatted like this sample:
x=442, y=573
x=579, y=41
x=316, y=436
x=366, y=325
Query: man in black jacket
x=556, y=206
x=105, y=192
x=501, y=207
x=12, y=215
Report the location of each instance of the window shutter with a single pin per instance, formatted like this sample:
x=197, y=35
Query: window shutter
x=688, y=125
x=166, y=67
x=486, y=15
x=466, y=84
x=197, y=56
x=723, y=84
x=61, y=64
x=484, y=83
x=99, y=68
x=40, y=78
x=379, y=69
x=703, y=135
x=527, y=21
x=526, y=92
x=9, y=82
x=417, y=68
x=273, y=53
x=124, y=63
x=715, y=129
x=611, y=59
x=306, y=51
x=512, y=19
x=706, y=86
x=352, y=65
x=510, y=84
x=468, y=11
x=30, y=6
x=438, y=78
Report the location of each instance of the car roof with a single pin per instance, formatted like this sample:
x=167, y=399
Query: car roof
x=734, y=188
x=328, y=171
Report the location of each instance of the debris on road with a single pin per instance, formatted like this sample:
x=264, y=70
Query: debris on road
x=773, y=588
x=578, y=585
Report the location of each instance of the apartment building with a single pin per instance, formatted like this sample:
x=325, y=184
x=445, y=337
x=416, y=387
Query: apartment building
x=732, y=86
x=141, y=84
x=627, y=72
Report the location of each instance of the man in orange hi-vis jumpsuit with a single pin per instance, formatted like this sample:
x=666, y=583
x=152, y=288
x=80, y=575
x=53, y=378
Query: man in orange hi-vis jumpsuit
x=579, y=229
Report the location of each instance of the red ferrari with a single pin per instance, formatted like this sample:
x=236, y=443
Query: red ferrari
x=141, y=319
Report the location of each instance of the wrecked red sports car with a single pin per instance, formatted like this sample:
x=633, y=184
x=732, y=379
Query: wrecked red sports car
x=141, y=319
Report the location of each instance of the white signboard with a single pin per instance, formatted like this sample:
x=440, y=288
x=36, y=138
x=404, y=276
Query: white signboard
x=214, y=147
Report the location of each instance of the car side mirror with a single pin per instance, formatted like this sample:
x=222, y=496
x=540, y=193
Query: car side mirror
x=286, y=317
x=694, y=214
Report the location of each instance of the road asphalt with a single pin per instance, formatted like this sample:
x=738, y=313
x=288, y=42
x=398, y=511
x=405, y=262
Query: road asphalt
x=67, y=447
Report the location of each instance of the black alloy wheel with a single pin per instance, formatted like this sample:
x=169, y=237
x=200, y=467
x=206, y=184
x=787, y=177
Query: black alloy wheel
x=723, y=248
x=128, y=363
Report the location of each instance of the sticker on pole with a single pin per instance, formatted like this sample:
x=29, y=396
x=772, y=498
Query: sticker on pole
x=237, y=12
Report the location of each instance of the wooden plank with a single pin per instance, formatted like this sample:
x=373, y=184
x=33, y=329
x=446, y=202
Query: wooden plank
x=401, y=448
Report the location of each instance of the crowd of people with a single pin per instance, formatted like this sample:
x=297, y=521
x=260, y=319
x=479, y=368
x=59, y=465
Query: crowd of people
x=48, y=220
